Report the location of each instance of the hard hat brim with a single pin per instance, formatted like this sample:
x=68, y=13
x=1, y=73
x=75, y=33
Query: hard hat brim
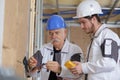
x=76, y=17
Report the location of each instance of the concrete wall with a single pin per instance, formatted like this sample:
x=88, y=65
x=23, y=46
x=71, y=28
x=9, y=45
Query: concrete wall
x=15, y=33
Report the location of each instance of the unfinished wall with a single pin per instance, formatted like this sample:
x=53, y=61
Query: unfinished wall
x=15, y=34
x=79, y=37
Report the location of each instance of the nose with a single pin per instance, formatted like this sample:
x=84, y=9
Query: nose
x=53, y=35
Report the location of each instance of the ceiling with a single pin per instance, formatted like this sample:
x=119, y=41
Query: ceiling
x=67, y=9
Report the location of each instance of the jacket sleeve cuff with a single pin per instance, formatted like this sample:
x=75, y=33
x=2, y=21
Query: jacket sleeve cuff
x=66, y=73
x=85, y=69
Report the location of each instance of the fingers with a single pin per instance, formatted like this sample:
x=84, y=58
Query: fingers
x=32, y=62
x=77, y=69
x=76, y=62
x=53, y=66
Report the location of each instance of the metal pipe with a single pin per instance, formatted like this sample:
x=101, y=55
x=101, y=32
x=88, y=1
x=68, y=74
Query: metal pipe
x=68, y=12
x=57, y=7
x=111, y=11
x=39, y=26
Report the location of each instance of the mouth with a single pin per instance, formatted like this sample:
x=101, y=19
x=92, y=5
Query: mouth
x=55, y=40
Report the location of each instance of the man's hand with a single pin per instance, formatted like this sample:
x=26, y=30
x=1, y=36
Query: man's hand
x=32, y=62
x=77, y=70
x=53, y=66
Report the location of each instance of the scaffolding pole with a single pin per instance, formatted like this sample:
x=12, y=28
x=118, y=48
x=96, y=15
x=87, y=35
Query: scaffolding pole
x=39, y=25
x=38, y=29
x=31, y=30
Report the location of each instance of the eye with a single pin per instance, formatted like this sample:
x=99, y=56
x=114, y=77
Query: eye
x=83, y=22
x=50, y=33
x=57, y=33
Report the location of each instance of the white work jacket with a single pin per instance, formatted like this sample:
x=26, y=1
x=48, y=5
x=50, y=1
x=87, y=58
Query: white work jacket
x=101, y=67
x=67, y=51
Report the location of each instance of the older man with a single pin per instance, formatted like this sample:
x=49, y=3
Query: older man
x=56, y=53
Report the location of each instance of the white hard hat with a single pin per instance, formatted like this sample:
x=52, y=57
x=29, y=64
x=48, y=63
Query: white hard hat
x=88, y=8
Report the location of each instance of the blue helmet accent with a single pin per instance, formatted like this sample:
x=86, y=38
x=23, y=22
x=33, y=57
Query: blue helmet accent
x=55, y=22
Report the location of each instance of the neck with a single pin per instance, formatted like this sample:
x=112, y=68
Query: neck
x=59, y=46
x=97, y=26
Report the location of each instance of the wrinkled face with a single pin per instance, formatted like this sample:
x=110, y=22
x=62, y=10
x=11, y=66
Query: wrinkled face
x=87, y=25
x=57, y=37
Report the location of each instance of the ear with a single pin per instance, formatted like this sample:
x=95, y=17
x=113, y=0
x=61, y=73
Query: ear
x=93, y=19
x=66, y=31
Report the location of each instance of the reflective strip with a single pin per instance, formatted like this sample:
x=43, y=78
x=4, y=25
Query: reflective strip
x=108, y=47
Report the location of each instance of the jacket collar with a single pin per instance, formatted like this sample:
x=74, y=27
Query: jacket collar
x=102, y=27
x=65, y=48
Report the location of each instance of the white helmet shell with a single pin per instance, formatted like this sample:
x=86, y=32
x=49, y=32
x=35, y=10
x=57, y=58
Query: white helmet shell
x=88, y=8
